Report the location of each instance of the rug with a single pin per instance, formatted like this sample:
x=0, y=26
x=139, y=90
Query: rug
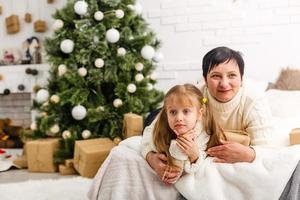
x=47, y=189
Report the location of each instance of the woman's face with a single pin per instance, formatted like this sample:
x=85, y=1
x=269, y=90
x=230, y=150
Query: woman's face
x=224, y=81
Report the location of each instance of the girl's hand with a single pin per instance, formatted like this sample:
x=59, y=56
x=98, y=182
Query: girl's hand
x=231, y=152
x=188, y=145
x=157, y=162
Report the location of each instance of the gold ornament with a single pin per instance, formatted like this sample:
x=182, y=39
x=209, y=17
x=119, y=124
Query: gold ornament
x=117, y=140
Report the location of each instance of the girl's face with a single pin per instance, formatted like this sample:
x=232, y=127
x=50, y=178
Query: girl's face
x=224, y=81
x=182, y=115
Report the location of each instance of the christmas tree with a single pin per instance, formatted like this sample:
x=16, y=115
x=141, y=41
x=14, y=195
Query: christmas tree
x=102, y=57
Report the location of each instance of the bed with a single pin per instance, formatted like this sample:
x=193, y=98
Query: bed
x=126, y=175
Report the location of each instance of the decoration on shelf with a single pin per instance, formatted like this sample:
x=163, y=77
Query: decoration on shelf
x=131, y=88
x=40, y=26
x=117, y=140
x=117, y=103
x=32, y=72
x=6, y=91
x=66, y=134
x=98, y=15
x=1, y=77
x=31, y=51
x=99, y=63
x=112, y=35
x=50, y=1
x=148, y=52
x=0, y=10
x=58, y=24
x=12, y=24
x=80, y=7
x=42, y=95
x=21, y=87
x=67, y=46
x=11, y=56
x=86, y=134
x=139, y=66
x=28, y=17
x=79, y=112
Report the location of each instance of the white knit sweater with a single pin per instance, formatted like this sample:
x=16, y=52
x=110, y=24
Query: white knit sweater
x=248, y=111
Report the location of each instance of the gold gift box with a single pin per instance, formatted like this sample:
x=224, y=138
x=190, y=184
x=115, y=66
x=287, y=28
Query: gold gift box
x=40, y=26
x=295, y=136
x=12, y=24
x=132, y=125
x=90, y=154
x=40, y=155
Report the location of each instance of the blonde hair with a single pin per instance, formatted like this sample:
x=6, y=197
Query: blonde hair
x=163, y=134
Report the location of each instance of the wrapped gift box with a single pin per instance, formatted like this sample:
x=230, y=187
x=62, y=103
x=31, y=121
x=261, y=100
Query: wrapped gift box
x=12, y=24
x=90, y=154
x=40, y=155
x=40, y=26
x=132, y=125
x=65, y=170
x=28, y=17
x=295, y=136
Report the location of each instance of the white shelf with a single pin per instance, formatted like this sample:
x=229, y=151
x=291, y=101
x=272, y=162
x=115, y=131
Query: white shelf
x=15, y=75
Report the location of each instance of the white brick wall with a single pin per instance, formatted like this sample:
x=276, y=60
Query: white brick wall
x=265, y=31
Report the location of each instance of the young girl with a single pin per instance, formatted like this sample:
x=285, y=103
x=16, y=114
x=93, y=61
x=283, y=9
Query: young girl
x=185, y=118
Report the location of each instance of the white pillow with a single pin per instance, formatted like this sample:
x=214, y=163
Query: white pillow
x=284, y=103
x=257, y=85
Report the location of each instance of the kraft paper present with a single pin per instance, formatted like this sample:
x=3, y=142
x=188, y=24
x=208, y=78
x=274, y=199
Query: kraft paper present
x=28, y=17
x=12, y=24
x=132, y=125
x=69, y=163
x=90, y=154
x=238, y=136
x=21, y=162
x=295, y=136
x=65, y=170
x=40, y=155
x=40, y=26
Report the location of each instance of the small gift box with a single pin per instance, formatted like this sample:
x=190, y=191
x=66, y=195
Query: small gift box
x=295, y=136
x=50, y=1
x=40, y=155
x=28, y=17
x=12, y=24
x=132, y=125
x=90, y=154
x=40, y=26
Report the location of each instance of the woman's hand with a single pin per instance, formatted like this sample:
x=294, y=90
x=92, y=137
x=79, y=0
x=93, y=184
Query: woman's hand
x=158, y=162
x=231, y=152
x=187, y=144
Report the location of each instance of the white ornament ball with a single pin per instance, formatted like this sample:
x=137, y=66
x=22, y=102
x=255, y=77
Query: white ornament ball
x=98, y=15
x=62, y=69
x=86, y=134
x=148, y=52
x=153, y=76
x=54, y=129
x=112, y=35
x=42, y=95
x=121, y=51
x=45, y=104
x=117, y=103
x=139, y=66
x=82, y=71
x=139, y=77
x=158, y=56
x=58, y=24
x=79, y=112
x=99, y=62
x=67, y=46
x=66, y=134
x=55, y=99
x=33, y=126
x=119, y=13
x=149, y=86
x=131, y=88
x=138, y=9
x=80, y=7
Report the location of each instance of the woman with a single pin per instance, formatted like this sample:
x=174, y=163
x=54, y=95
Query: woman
x=234, y=108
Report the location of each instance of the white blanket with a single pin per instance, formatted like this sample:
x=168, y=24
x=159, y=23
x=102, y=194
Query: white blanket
x=126, y=175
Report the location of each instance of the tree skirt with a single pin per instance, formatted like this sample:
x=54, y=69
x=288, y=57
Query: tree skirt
x=50, y=189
